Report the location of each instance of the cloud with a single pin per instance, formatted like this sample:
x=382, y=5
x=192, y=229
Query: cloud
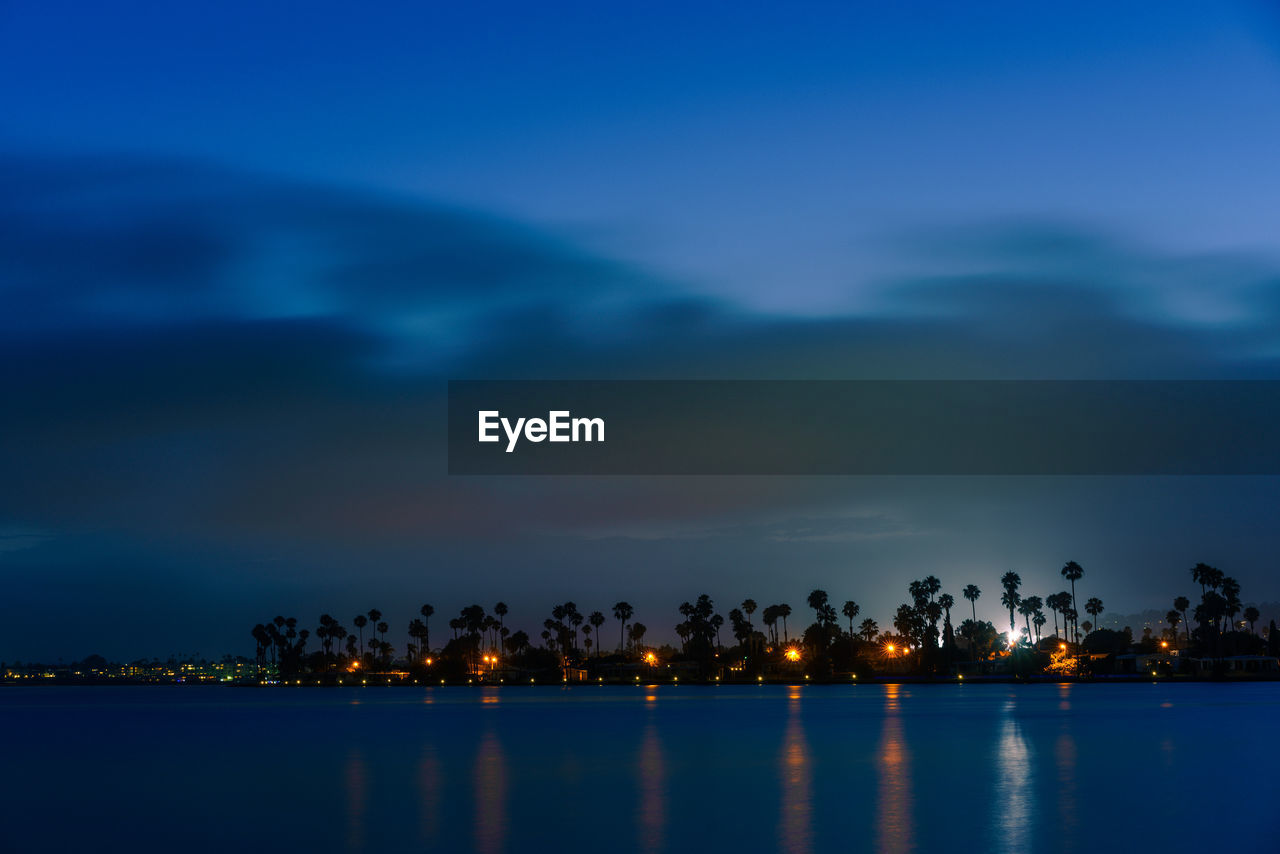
x=203, y=361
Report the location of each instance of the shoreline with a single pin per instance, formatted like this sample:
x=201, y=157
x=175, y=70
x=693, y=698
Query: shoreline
x=1126, y=679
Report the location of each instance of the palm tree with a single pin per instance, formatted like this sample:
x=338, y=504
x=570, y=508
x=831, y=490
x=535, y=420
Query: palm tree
x=1251, y=615
x=1182, y=603
x=784, y=611
x=501, y=610
x=361, y=621
x=416, y=628
x=338, y=632
x=947, y=602
x=1033, y=605
x=749, y=608
x=596, y=620
x=1093, y=608
x=426, y=611
x=261, y=639
x=1203, y=574
x=575, y=619
x=1025, y=609
x=971, y=592
x=1011, y=581
x=1056, y=603
x=931, y=585
x=1073, y=572
x=1173, y=618
x=868, y=629
x=770, y=618
x=1231, y=592
x=327, y=622
x=637, y=633
x=622, y=611
x=850, y=610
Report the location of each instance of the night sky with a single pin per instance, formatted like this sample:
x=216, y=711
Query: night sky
x=242, y=250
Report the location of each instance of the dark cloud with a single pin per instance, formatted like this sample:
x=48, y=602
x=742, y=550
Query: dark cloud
x=236, y=383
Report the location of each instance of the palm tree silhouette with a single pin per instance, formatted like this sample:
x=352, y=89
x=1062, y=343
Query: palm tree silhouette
x=850, y=610
x=972, y=592
x=784, y=611
x=769, y=616
x=1025, y=609
x=1073, y=572
x=360, y=622
x=1093, y=608
x=637, y=634
x=946, y=601
x=1251, y=615
x=1033, y=604
x=327, y=623
x=1182, y=603
x=868, y=629
x=501, y=610
x=1231, y=593
x=596, y=619
x=622, y=611
x=426, y=611
x=749, y=607
x=1011, y=581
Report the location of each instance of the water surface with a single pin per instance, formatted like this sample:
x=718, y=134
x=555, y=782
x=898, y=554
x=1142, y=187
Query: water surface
x=883, y=768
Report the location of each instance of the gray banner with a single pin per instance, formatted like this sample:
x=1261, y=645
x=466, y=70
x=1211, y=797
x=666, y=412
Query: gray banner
x=864, y=427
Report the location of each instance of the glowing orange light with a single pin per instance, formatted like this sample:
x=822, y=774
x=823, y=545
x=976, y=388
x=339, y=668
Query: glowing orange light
x=650, y=658
x=428, y=662
x=889, y=649
x=1164, y=644
x=1062, y=646
x=793, y=654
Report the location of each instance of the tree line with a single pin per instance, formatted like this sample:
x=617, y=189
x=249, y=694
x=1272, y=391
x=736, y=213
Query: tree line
x=921, y=637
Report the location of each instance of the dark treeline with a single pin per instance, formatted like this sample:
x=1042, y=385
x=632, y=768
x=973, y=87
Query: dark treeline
x=1045, y=635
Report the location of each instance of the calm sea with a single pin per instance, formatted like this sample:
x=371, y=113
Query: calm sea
x=990, y=768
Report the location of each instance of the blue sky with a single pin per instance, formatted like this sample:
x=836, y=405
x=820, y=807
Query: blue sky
x=243, y=248
x=752, y=150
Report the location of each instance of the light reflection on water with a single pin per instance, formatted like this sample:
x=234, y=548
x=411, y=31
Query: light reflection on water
x=651, y=807
x=1065, y=758
x=490, y=804
x=355, y=778
x=884, y=767
x=1012, y=804
x=893, y=793
x=429, y=781
x=795, y=830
